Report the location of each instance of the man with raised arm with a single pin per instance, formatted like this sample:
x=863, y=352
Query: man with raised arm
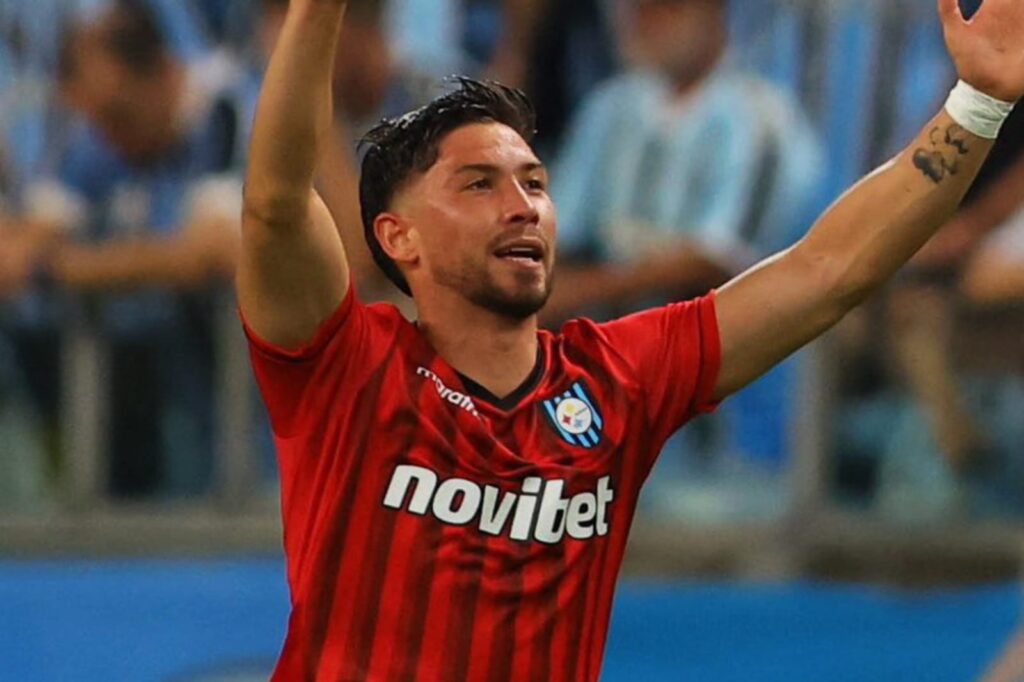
x=457, y=491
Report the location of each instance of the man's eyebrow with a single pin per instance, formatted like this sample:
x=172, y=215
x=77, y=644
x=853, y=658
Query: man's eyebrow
x=491, y=168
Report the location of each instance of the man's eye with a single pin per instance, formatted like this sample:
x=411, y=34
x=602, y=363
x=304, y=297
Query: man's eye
x=536, y=184
x=482, y=183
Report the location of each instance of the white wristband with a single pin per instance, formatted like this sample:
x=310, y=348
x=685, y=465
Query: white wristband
x=977, y=112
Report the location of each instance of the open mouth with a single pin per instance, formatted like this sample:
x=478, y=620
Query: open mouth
x=526, y=253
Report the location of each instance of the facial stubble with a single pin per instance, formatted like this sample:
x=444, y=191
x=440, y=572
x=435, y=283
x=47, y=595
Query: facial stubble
x=479, y=285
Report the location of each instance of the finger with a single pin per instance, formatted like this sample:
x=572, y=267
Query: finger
x=949, y=12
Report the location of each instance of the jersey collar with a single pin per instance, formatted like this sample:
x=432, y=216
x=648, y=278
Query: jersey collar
x=478, y=392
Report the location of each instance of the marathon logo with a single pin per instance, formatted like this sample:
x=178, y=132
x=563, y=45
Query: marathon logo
x=538, y=512
x=454, y=397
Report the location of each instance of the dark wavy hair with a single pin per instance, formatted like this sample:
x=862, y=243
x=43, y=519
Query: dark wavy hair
x=397, y=149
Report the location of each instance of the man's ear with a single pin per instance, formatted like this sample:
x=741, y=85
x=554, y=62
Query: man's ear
x=397, y=237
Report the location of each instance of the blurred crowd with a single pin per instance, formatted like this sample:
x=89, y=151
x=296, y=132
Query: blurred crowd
x=687, y=140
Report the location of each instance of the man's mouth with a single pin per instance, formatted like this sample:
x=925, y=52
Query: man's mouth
x=523, y=251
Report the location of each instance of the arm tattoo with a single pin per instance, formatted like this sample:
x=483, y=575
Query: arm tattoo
x=941, y=157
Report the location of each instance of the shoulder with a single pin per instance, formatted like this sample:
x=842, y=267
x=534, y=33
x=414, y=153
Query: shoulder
x=388, y=317
x=652, y=348
x=586, y=342
x=356, y=331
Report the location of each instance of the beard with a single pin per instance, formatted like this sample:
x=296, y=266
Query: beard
x=517, y=302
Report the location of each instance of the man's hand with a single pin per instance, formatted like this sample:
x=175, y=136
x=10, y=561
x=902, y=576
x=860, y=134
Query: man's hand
x=988, y=50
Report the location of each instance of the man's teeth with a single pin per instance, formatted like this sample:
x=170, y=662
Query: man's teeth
x=520, y=253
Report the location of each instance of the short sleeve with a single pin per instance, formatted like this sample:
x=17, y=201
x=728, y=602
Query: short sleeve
x=675, y=352
x=299, y=385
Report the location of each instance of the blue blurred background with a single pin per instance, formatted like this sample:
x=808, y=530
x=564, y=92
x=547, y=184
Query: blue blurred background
x=856, y=514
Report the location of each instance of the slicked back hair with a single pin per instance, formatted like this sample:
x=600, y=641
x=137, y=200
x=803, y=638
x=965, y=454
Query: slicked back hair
x=398, y=149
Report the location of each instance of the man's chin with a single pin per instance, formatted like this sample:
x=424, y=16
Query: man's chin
x=517, y=306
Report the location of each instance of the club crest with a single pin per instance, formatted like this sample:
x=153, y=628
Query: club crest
x=575, y=416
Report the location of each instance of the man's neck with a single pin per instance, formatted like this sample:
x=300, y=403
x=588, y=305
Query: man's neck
x=494, y=351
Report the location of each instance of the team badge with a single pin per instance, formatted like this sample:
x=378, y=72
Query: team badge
x=575, y=416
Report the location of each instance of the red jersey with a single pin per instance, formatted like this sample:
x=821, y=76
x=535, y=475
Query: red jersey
x=436, y=532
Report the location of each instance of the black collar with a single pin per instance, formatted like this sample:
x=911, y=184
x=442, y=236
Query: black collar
x=512, y=399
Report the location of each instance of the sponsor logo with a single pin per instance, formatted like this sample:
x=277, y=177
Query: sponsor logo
x=539, y=511
x=454, y=397
x=574, y=415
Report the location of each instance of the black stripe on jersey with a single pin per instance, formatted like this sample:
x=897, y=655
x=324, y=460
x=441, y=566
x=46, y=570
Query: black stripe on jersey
x=421, y=584
x=540, y=668
x=602, y=559
x=322, y=603
x=578, y=610
x=368, y=595
x=578, y=666
x=503, y=639
x=414, y=627
x=463, y=609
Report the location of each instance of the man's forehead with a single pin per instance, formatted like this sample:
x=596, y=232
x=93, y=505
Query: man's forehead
x=483, y=143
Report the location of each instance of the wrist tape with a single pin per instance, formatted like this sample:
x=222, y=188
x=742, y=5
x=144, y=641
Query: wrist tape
x=977, y=112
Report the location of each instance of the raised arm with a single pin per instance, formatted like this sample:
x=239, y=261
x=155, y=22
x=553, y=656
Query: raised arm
x=785, y=302
x=292, y=273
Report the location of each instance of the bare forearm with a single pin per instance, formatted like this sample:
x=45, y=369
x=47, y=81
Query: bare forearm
x=785, y=302
x=880, y=223
x=294, y=116
x=292, y=271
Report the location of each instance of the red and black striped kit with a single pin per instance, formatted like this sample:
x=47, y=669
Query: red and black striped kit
x=436, y=532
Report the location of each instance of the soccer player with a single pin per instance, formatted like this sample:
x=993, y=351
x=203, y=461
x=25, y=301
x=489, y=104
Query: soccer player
x=457, y=491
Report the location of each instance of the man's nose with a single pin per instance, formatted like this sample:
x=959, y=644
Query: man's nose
x=519, y=205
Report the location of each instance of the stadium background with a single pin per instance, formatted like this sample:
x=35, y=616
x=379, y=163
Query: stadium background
x=828, y=537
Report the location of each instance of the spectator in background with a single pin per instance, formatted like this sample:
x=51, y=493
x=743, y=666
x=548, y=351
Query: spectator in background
x=428, y=34
x=557, y=51
x=676, y=175
x=995, y=273
x=989, y=233
x=954, y=447
x=143, y=211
